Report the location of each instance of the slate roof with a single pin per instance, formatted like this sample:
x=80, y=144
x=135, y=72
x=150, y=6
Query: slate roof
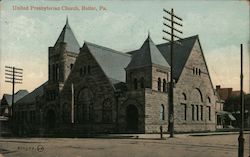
x=147, y=55
x=67, y=36
x=31, y=97
x=180, y=55
x=112, y=62
x=18, y=95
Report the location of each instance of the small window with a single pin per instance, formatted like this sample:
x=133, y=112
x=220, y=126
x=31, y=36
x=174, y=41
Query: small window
x=164, y=85
x=71, y=66
x=142, y=82
x=199, y=71
x=197, y=112
x=84, y=70
x=193, y=70
x=196, y=71
x=192, y=112
x=209, y=112
x=185, y=111
x=162, y=112
x=89, y=69
x=201, y=112
x=81, y=72
x=135, y=83
x=159, y=84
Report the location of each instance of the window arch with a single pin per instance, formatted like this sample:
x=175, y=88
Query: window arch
x=209, y=100
x=107, y=111
x=142, y=82
x=201, y=98
x=159, y=84
x=164, y=85
x=162, y=112
x=184, y=96
x=135, y=83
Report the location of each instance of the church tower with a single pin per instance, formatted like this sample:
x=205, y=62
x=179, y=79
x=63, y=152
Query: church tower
x=148, y=68
x=62, y=57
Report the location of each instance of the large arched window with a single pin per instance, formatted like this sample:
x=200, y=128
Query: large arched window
x=162, y=112
x=85, y=108
x=107, y=111
x=164, y=85
x=159, y=84
x=142, y=82
x=135, y=83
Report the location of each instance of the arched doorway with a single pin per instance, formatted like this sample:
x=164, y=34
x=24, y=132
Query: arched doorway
x=51, y=119
x=132, y=118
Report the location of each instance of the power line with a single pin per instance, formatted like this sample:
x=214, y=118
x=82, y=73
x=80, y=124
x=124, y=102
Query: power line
x=14, y=76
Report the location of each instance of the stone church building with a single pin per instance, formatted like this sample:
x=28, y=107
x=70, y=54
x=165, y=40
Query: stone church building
x=95, y=89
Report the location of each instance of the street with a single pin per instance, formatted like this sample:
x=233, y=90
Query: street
x=180, y=146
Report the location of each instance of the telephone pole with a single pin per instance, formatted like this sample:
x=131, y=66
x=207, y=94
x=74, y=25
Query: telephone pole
x=173, y=22
x=14, y=76
x=242, y=110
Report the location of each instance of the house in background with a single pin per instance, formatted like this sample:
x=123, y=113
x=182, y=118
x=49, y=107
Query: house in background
x=6, y=102
x=230, y=114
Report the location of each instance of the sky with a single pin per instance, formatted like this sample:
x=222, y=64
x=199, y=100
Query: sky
x=25, y=35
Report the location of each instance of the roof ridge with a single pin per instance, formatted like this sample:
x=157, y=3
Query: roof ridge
x=106, y=48
x=180, y=40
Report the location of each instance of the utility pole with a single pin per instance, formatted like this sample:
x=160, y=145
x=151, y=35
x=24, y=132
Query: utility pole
x=14, y=76
x=172, y=42
x=242, y=110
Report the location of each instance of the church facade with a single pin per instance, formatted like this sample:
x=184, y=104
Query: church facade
x=95, y=89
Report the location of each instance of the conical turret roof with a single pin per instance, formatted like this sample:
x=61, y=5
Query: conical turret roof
x=147, y=55
x=67, y=36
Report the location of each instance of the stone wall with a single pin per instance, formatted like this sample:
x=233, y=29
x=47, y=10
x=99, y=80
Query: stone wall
x=153, y=120
x=97, y=83
x=198, y=90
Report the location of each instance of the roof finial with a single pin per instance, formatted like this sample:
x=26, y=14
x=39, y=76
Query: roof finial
x=67, y=20
x=149, y=33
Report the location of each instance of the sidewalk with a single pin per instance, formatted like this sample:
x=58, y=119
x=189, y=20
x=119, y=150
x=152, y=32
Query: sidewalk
x=157, y=136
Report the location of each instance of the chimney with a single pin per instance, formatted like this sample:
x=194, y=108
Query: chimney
x=217, y=87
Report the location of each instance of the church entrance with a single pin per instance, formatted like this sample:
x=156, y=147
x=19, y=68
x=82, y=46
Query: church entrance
x=51, y=119
x=132, y=118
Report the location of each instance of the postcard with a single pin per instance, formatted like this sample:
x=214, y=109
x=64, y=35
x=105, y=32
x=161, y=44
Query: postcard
x=92, y=78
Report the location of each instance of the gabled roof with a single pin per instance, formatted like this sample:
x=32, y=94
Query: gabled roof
x=180, y=55
x=31, y=97
x=147, y=55
x=112, y=62
x=18, y=95
x=67, y=36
